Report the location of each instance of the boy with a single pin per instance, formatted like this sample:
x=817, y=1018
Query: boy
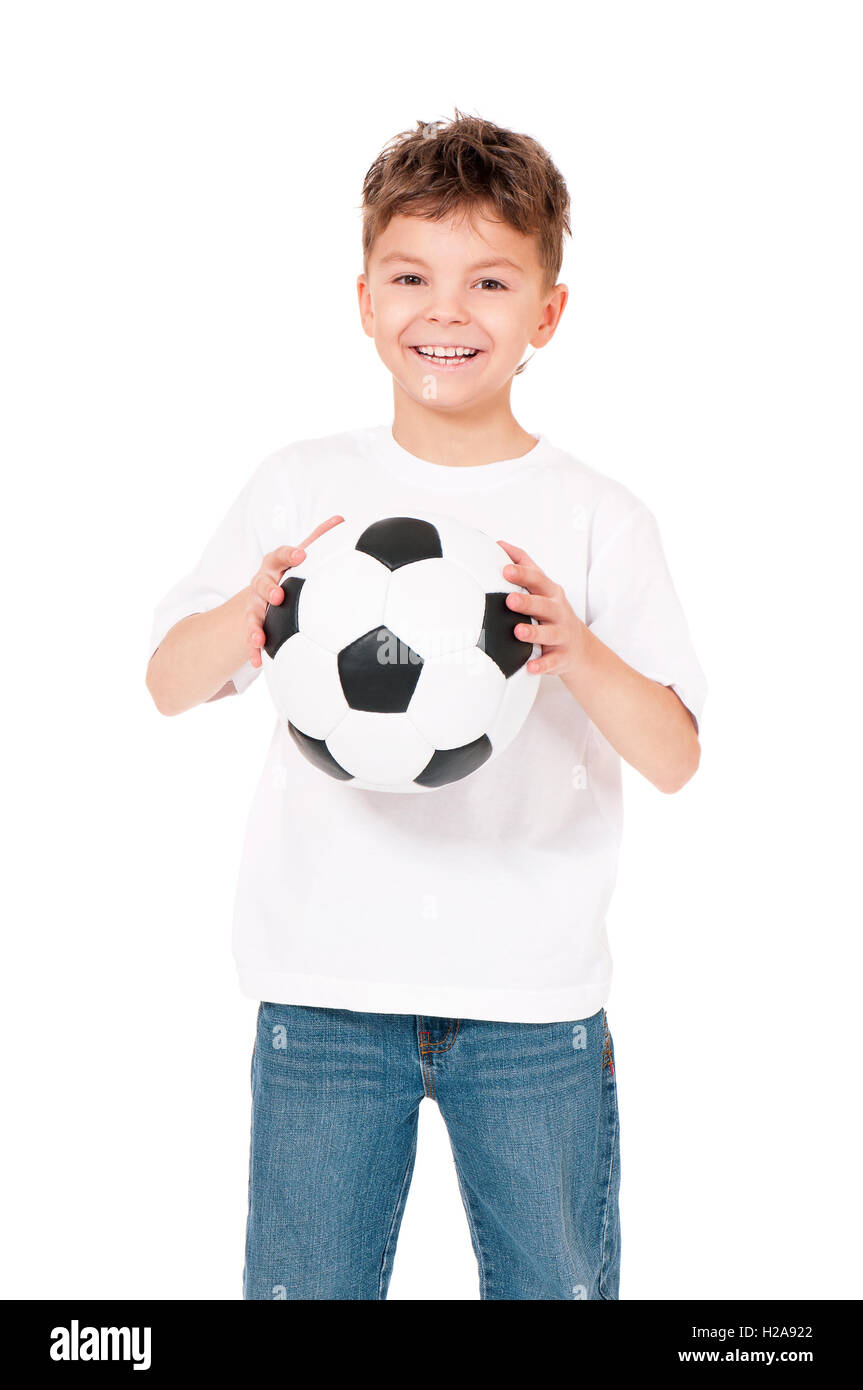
x=451, y=944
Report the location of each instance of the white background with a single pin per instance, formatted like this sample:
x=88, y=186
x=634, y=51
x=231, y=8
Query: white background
x=182, y=239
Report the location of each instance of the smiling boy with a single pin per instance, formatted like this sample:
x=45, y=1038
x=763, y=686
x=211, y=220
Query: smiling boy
x=449, y=945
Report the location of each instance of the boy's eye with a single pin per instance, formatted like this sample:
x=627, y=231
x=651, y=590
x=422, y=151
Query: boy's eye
x=400, y=279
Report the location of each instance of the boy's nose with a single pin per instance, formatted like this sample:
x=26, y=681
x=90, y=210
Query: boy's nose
x=446, y=315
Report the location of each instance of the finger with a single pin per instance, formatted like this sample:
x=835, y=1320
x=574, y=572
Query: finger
x=255, y=614
x=282, y=558
x=545, y=634
x=266, y=584
x=263, y=590
x=539, y=606
x=324, y=526
x=273, y=568
x=286, y=556
x=520, y=557
x=532, y=578
x=256, y=637
x=257, y=640
x=545, y=665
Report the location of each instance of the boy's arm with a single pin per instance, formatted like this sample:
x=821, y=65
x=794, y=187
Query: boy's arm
x=644, y=720
x=196, y=659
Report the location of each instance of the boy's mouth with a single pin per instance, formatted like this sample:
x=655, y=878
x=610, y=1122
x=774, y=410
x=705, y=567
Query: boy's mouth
x=446, y=358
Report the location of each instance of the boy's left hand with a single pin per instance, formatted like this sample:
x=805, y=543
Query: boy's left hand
x=559, y=630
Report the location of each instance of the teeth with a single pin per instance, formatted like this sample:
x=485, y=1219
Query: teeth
x=447, y=352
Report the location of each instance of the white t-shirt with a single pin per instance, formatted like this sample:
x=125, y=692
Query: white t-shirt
x=486, y=898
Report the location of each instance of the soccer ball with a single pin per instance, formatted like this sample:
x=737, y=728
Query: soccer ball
x=393, y=656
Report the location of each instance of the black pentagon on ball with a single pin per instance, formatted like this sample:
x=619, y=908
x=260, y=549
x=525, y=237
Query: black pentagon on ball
x=497, y=638
x=280, y=620
x=451, y=764
x=317, y=752
x=401, y=540
x=379, y=672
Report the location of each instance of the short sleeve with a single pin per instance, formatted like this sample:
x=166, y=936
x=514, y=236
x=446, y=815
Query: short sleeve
x=225, y=566
x=632, y=607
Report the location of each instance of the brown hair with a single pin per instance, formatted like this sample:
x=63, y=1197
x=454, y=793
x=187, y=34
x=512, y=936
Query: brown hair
x=469, y=164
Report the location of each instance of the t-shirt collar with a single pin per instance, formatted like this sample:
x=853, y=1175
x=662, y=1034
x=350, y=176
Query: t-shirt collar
x=447, y=478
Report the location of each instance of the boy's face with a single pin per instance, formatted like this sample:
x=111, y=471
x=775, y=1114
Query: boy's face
x=473, y=284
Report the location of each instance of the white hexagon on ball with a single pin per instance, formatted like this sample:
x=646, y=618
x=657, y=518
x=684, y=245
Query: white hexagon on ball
x=435, y=607
x=304, y=683
x=385, y=749
x=457, y=698
x=343, y=599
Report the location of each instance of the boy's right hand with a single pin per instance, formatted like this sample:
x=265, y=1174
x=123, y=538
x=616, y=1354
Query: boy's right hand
x=265, y=587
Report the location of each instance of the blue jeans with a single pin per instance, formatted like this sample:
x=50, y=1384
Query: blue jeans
x=531, y=1111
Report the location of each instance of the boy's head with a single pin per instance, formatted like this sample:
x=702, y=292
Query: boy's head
x=463, y=227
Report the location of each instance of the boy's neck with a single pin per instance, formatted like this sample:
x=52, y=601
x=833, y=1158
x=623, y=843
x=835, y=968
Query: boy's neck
x=460, y=440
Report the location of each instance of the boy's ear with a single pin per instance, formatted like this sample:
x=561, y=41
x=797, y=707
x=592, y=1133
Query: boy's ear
x=552, y=311
x=364, y=298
